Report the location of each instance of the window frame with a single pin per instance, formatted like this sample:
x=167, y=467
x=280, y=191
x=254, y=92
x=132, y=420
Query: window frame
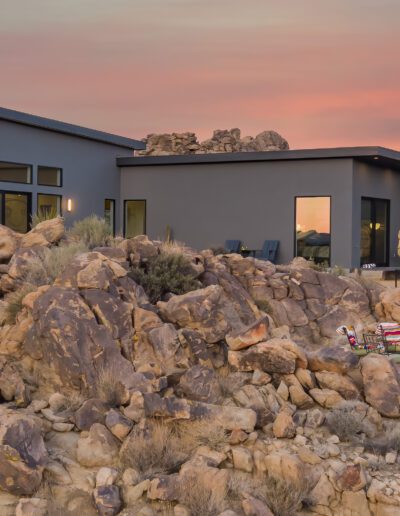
x=50, y=195
x=295, y=223
x=145, y=215
x=27, y=165
x=44, y=184
x=114, y=210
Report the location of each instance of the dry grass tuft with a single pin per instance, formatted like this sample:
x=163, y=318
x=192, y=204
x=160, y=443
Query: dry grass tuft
x=281, y=496
x=201, y=497
x=107, y=386
x=173, y=247
x=388, y=441
x=347, y=420
x=204, y=432
x=154, y=450
x=13, y=303
x=93, y=231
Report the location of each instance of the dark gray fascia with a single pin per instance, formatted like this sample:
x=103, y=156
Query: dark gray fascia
x=74, y=130
x=385, y=157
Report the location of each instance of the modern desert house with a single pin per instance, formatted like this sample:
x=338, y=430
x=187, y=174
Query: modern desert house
x=338, y=206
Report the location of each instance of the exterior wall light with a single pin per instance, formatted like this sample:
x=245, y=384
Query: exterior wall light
x=376, y=157
x=69, y=205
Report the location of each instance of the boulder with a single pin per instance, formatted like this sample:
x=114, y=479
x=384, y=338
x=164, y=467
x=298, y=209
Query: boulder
x=242, y=459
x=229, y=417
x=337, y=382
x=350, y=478
x=9, y=242
x=207, y=310
x=72, y=347
x=99, y=448
x=388, y=308
x=107, y=500
x=381, y=384
x=22, y=453
x=284, y=426
x=45, y=233
x=332, y=358
x=256, y=332
x=90, y=412
x=118, y=424
x=200, y=384
x=31, y=507
x=273, y=356
x=327, y=398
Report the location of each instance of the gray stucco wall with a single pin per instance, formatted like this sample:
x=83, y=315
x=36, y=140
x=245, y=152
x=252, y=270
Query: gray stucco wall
x=381, y=183
x=89, y=168
x=205, y=204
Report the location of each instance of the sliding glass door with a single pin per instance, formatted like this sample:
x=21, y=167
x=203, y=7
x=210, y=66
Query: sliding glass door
x=15, y=210
x=375, y=231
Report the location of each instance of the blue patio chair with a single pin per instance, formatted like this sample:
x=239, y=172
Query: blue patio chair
x=269, y=250
x=233, y=246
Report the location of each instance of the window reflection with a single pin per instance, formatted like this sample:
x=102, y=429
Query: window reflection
x=313, y=229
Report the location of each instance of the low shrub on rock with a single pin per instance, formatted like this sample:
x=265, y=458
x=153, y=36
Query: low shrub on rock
x=201, y=497
x=165, y=273
x=13, y=303
x=93, y=231
x=347, y=421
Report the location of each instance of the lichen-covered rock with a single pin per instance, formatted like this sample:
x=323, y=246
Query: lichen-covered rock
x=332, y=358
x=22, y=453
x=273, y=356
x=45, y=233
x=200, y=384
x=381, y=384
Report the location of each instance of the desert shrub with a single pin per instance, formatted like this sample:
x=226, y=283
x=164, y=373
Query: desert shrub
x=106, y=386
x=13, y=303
x=93, y=231
x=51, y=262
x=43, y=215
x=173, y=247
x=156, y=449
x=201, y=497
x=388, y=441
x=346, y=421
x=218, y=250
x=283, y=497
x=165, y=273
x=204, y=432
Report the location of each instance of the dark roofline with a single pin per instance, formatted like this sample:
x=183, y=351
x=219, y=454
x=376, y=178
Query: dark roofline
x=385, y=156
x=74, y=130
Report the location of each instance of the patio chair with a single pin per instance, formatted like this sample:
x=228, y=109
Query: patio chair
x=268, y=251
x=233, y=246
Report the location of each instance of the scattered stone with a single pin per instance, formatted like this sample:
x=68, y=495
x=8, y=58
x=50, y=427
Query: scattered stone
x=283, y=426
x=107, y=500
x=118, y=424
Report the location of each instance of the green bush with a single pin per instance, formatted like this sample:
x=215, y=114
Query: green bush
x=43, y=215
x=165, y=273
x=93, y=231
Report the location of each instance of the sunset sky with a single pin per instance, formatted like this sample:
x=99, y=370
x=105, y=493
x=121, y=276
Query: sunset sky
x=320, y=72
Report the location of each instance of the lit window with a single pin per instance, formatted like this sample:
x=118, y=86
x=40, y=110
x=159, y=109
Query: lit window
x=49, y=206
x=49, y=176
x=135, y=218
x=14, y=173
x=313, y=229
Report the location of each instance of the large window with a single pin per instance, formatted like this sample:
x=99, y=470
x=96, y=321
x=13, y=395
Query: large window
x=109, y=213
x=49, y=205
x=49, y=176
x=14, y=173
x=135, y=218
x=313, y=229
x=15, y=210
x=374, y=232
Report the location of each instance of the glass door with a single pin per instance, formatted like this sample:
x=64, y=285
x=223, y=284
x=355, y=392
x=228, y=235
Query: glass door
x=374, y=231
x=15, y=210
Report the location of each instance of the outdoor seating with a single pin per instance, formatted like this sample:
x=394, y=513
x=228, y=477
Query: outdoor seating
x=233, y=246
x=269, y=251
x=385, y=340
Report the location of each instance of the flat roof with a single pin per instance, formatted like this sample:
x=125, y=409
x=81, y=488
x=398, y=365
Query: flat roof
x=379, y=156
x=74, y=130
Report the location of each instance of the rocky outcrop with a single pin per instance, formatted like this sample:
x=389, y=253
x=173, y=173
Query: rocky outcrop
x=221, y=141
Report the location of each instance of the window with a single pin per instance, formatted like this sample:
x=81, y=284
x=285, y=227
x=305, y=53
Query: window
x=15, y=209
x=49, y=176
x=14, y=173
x=313, y=229
x=374, y=231
x=109, y=213
x=49, y=205
x=135, y=218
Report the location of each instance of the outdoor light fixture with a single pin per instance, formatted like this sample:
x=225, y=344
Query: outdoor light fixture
x=376, y=157
x=69, y=205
